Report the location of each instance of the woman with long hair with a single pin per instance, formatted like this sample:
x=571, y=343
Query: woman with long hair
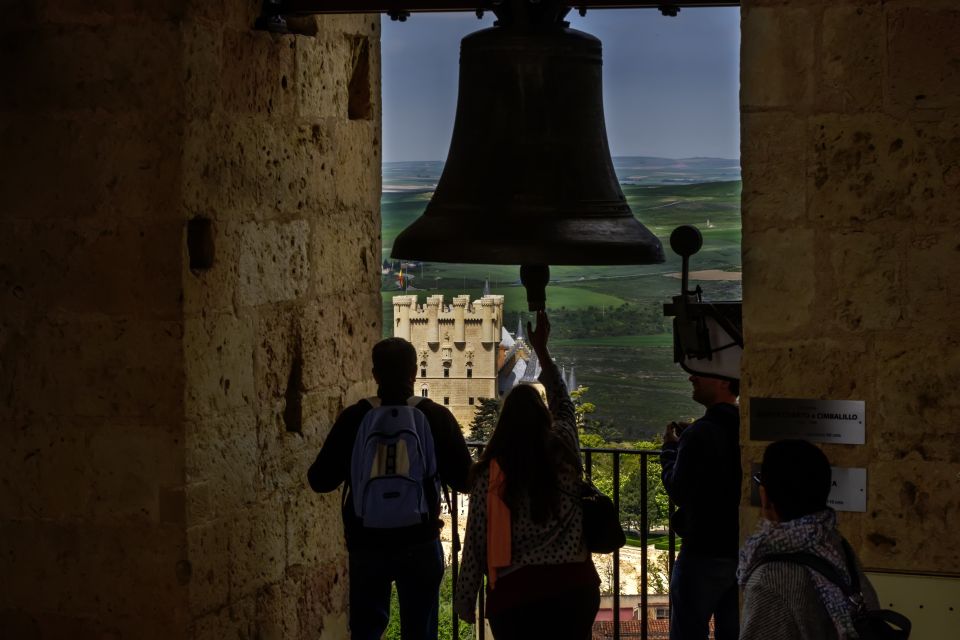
x=525, y=525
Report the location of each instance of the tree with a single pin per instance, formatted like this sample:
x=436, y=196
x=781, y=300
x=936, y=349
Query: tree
x=484, y=420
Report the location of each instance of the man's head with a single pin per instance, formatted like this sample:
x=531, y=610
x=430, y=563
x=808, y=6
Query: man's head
x=794, y=480
x=710, y=391
x=394, y=362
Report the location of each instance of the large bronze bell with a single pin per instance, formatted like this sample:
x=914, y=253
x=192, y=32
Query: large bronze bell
x=529, y=179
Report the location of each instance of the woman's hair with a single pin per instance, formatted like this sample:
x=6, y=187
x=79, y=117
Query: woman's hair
x=796, y=477
x=528, y=452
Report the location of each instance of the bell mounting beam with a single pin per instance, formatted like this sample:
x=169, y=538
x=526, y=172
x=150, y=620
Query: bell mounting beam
x=401, y=7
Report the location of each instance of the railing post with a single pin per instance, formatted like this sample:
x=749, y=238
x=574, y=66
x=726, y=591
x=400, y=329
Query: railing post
x=672, y=538
x=644, y=538
x=454, y=560
x=616, y=552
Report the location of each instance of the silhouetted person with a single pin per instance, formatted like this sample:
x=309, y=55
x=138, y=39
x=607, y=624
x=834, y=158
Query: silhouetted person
x=407, y=447
x=524, y=528
x=787, y=600
x=702, y=474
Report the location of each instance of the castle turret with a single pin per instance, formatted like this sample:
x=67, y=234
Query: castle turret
x=487, y=304
x=433, y=319
x=401, y=316
x=459, y=308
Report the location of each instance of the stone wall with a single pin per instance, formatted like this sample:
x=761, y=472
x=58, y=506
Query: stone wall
x=851, y=248
x=188, y=296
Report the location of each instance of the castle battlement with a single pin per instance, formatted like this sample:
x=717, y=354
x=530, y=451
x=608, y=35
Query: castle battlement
x=487, y=312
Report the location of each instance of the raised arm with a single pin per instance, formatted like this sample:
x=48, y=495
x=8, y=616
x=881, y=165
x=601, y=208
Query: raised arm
x=558, y=397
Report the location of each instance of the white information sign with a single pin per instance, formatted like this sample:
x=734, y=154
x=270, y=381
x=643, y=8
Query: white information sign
x=847, y=493
x=834, y=421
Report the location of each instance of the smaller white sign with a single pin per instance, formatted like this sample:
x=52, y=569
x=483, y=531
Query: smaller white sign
x=833, y=421
x=848, y=491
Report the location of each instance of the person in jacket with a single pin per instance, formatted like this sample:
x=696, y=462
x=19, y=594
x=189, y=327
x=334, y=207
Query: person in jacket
x=703, y=476
x=783, y=599
x=525, y=526
x=409, y=556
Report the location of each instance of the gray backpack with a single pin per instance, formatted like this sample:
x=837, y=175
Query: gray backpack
x=393, y=471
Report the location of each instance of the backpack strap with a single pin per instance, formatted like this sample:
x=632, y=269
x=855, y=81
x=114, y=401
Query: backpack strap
x=414, y=401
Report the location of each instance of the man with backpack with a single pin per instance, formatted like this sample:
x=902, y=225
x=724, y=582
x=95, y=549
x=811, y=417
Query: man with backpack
x=393, y=453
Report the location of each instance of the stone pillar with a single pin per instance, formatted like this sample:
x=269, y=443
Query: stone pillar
x=190, y=292
x=459, y=308
x=401, y=314
x=433, y=319
x=851, y=193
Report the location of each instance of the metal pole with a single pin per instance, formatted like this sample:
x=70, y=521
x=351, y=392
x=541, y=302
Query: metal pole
x=644, y=536
x=616, y=552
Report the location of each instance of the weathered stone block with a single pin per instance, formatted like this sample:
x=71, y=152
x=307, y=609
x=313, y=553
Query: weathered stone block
x=253, y=167
x=779, y=280
x=218, y=351
x=868, y=168
x=360, y=319
x=778, y=55
x=851, y=57
x=868, y=280
x=921, y=76
x=132, y=468
x=202, y=65
x=275, y=263
x=75, y=366
x=321, y=77
x=257, y=549
x=208, y=554
x=348, y=238
x=258, y=73
x=320, y=334
x=917, y=417
x=933, y=269
x=354, y=154
x=114, y=165
x=314, y=528
x=213, y=290
x=780, y=368
x=221, y=465
x=910, y=504
x=114, y=68
x=774, y=149
x=236, y=620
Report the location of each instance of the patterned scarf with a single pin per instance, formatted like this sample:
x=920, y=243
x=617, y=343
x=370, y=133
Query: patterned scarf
x=817, y=534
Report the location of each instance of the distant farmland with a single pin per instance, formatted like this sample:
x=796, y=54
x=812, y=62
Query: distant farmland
x=629, y=368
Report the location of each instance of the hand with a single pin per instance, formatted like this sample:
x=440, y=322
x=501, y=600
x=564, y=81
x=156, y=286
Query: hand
x=672, y=433
x=541, y=334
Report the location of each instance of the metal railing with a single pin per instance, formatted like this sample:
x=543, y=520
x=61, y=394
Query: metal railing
x=588, y=458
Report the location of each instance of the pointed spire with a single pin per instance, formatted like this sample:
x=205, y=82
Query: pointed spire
x=563, y=374
x=520, y=326
x=572, y=381
x=486, y=287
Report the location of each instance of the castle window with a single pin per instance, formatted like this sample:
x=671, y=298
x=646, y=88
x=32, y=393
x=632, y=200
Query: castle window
x=423, y=372
x=470, y=400
x=446, y=400
x=469, y=373
x=423, y=392
x=446, y=372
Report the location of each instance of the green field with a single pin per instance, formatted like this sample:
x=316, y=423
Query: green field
x=632, y=378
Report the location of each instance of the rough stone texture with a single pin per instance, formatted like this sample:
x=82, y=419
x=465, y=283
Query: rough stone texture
x=158, y=420
x=851, y=251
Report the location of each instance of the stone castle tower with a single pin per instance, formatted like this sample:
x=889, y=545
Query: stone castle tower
x=457, y=347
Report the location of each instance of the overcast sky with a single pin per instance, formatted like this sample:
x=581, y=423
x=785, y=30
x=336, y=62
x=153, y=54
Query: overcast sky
x=670, y=85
